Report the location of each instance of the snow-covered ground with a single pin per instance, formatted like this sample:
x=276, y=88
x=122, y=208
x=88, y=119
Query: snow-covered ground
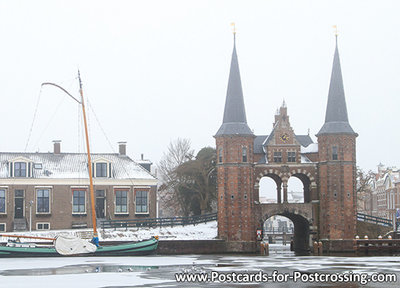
x=203, y=231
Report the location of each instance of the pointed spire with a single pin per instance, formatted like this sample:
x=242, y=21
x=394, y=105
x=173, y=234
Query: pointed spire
x=234, y=121
x=336, y=119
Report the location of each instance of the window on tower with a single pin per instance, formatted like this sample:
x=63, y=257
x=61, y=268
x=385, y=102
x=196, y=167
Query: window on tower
x=334, y=153
x=277, y=156
x=220, y=155
x=244, y=154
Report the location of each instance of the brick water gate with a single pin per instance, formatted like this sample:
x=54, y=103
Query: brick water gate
x=327, y=170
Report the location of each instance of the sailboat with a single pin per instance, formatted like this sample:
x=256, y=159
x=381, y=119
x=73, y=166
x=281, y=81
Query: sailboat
x=74, y=246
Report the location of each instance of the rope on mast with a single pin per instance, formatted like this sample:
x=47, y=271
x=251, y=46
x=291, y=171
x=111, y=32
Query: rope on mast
x=33, y=120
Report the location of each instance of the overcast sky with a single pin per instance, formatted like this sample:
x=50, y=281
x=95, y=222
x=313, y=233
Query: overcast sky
x=157, y=70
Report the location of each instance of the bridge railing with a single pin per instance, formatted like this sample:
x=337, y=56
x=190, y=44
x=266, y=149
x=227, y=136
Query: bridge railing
x=374, y=219
x=153, y=222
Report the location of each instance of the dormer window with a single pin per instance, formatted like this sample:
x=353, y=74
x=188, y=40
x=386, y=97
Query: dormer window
x=20, y=169
x=101, y=169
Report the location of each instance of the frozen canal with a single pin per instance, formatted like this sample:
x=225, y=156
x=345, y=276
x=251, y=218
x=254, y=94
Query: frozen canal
x=159, y=271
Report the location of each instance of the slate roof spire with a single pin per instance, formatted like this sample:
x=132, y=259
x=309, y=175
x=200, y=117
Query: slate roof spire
x=336, y=119
x=234, y=121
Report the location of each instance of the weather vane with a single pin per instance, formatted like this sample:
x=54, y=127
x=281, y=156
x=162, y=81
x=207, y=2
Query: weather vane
x=233, y=27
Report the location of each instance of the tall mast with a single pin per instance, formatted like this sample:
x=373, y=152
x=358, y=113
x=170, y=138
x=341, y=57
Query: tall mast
x=93, y=211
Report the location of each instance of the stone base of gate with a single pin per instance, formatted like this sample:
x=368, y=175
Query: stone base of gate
x=241, y=247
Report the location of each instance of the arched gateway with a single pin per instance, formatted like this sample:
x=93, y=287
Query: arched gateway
x=326, y=169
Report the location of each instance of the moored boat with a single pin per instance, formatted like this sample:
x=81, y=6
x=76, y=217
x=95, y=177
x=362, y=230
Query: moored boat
x=29, y=249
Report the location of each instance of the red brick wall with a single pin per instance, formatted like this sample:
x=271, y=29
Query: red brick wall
x=337, y=187
x=235, y=189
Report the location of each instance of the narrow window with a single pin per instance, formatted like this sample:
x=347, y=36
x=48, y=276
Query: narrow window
x=2, y=201
x=220, y=155
x=291, y=156
x=121, y=201
x=244, y=154
x=2, y=227
x=141, y=201
x=43, y=201
x=334, y=153
x=19, y=169
x=79, y=201
x=277, y=157
x=101, y=169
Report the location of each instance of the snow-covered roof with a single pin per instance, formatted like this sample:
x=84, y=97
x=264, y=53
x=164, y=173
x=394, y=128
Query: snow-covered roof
x=304, y=159
x=311, y=148
x=73, y=165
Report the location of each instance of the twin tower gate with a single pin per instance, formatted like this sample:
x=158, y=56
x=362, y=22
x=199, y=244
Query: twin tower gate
x=327, y=170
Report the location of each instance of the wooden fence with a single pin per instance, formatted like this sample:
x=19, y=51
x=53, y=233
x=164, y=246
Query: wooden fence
x=154, y=222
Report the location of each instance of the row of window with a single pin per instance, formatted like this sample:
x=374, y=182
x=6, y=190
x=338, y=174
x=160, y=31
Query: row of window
x=244, y=155
x=24, y=169
x=79, y=200
x=291, y=156
x=39, y=226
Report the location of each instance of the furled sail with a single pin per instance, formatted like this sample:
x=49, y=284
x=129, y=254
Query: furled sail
x=71, y=245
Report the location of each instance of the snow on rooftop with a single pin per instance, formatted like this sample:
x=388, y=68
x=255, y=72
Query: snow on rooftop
x=74, y=165
x=312, y=148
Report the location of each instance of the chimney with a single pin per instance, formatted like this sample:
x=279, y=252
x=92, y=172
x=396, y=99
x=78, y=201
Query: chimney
x=57, y=146
x=122, y=148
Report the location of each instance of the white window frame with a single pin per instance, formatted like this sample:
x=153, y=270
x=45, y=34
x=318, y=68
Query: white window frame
x=5, y=227
x=148, y=200
x=36, y=198
x=108, y=168
x=127, y=201
x=42, y=223
x=72, y=201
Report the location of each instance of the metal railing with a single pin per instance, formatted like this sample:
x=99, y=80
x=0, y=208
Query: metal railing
x=154, y=222
x=374, y=219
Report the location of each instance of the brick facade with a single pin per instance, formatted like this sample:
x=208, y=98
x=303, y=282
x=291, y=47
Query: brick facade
x=327, y=170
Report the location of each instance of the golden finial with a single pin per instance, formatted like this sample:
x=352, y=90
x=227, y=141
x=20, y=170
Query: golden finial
x=336, y=31
x=233, y=27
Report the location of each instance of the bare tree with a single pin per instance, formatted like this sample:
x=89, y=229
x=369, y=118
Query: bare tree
x=364, y=192
x=178, y=152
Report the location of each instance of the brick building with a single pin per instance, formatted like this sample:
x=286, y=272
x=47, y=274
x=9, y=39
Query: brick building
x=382, y=198
x=51, y=190
x=327, y=169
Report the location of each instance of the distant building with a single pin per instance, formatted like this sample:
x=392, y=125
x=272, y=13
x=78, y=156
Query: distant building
x=51, y=190
x=383, y=196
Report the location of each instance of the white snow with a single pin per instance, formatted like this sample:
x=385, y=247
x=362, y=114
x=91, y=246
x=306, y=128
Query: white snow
x=312, y=148
x=203, y=231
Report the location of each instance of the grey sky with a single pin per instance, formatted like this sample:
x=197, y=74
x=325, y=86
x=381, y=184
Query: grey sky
x=158, y=70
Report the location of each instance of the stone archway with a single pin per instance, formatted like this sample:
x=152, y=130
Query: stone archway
x=300, y=214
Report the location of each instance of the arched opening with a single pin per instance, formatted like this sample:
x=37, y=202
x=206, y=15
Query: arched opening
x=295, y=190
x=270, y=189
x=278, y=232
x=299, y=189
x=298, y=231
